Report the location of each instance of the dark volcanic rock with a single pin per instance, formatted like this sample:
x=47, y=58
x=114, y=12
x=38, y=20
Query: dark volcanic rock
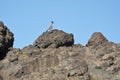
x=6, y=40
x=54, y=39
x=96, y=38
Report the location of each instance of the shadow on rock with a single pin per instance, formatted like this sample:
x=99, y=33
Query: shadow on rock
x=6, y=40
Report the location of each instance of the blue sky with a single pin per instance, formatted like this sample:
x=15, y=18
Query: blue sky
x=28, y=19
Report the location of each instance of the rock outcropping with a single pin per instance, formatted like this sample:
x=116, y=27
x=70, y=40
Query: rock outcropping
x=96, y=39
x=54, y=56
x=54, y=39
x=6, y=40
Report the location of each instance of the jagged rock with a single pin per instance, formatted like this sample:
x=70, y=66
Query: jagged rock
x=104, y=62
x=1, y=78
x=50, y=58
x=13, y=54
x=31, y=51
x=96, y=38
x=49, y=63
x=1, y=24
x=6, y=40
x=54, y=39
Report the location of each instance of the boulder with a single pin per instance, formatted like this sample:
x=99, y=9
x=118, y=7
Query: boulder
x=96, y=38
x=54, y=39
x=6, y=40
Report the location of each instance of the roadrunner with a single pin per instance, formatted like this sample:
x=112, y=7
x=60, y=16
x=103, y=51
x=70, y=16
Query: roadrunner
x=50, y=27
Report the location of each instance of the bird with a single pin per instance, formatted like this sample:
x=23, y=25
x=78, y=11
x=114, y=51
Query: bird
x=50, y=27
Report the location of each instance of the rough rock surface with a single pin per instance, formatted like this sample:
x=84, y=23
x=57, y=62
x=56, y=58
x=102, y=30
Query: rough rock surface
x=99, y=61
x=6, y=40
x=54, y=39
x=96, y=39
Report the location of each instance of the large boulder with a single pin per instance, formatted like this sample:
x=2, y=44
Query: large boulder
x=54, y=39
x=6, y=40
x=97, y=38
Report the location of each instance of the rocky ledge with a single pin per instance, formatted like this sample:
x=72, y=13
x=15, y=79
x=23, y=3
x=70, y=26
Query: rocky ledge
x=54, y=56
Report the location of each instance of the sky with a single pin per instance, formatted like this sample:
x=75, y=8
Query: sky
x=28, y=19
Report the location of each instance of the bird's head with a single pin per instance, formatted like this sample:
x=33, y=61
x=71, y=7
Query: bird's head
x=52, y=22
